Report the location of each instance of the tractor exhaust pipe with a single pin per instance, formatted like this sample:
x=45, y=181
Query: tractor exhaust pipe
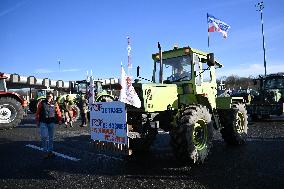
x=161, y=63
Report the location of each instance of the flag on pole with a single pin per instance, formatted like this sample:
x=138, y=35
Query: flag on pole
x=129, y=65
x=128, y=94
x=91, y=94
x=216, y=25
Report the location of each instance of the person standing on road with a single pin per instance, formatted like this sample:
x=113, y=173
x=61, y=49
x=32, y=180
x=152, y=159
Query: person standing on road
x=68, y=111
x=47, y=114
x=83, y=106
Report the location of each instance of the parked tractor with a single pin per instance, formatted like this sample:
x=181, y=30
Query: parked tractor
x=182, y=100
x=270, y=97
x=79, y=88
x=40, y=94
x=11, y=106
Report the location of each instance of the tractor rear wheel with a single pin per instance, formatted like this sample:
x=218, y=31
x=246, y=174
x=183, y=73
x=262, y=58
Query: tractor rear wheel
x=191, y=140
x=235, y=124
x=105, y=98
x=11, y=112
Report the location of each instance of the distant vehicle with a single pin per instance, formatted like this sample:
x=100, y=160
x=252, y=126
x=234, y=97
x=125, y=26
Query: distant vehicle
x=270, y=97
x=245, y=93
x=11, y=106
x=40, y=94
x=81, y=87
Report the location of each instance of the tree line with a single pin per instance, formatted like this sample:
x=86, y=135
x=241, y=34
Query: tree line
x=237, y=82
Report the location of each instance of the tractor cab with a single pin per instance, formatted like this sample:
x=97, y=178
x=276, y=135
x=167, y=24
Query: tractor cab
x=82, y=87
x=193, y=72
x=3, y=87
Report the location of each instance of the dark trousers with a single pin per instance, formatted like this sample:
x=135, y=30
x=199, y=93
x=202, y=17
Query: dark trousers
x=84, y=118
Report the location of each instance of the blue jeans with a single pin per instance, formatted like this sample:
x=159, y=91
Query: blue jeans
x=46, y=133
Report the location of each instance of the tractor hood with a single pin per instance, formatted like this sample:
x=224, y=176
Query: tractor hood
x=157, y=97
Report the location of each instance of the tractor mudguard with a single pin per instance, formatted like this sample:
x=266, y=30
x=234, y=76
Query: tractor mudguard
x=226, y=102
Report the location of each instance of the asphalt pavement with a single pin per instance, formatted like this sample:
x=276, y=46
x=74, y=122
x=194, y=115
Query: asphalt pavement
x=257, y=164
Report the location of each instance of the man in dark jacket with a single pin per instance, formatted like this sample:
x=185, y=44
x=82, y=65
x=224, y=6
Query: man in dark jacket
x=83, y=106
x=48, y=113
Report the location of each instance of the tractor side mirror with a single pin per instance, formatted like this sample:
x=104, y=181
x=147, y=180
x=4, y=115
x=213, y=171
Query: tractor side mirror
x=210, y=59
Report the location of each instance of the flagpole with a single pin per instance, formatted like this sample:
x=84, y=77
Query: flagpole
x=208, y=38
x=208, y=31
x=128, y=55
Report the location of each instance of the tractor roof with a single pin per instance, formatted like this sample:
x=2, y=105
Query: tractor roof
x=3, y=76
x=271, y=76
x=176, y=52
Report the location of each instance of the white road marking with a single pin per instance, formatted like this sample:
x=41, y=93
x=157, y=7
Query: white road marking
x=109, y=157
x=265, y=139
x=163, y=132
x=55, y=153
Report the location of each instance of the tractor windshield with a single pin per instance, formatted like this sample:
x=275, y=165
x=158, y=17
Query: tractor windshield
x=276, y=83
x=41, y=93
x=82, y=87
x=177, y=68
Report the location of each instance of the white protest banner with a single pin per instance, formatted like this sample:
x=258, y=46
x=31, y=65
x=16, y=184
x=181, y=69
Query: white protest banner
x=108, y=122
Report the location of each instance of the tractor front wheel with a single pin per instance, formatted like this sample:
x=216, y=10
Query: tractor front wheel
x=191, y=140
x=235, y=124
x=11, y=112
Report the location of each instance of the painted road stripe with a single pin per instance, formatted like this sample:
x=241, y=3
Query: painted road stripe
x=55, y=153
x=109, y=157
x=163, y=132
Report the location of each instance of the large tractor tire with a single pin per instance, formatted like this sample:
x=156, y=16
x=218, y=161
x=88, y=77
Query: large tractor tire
x=192, y=139
x=105, y=98
x=11, y=112
x=235, y=124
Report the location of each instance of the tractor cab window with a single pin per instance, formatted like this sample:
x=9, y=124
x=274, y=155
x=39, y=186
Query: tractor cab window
x=2, y=86
x=98, y=87
x=41, y=93
x=82, y=87
x=276, y=83
x=177, y=68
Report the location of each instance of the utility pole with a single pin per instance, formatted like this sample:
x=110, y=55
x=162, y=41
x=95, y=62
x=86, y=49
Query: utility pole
x=260, y=7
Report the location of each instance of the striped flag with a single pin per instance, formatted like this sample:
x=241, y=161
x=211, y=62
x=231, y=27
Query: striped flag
x=216, y=25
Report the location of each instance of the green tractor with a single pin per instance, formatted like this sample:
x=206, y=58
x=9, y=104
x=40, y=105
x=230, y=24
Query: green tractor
x=182, y=100
x=40, y=94
x=269, y=100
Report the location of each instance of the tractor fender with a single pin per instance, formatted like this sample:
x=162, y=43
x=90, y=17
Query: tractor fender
x=227, y=102
x=15, y=96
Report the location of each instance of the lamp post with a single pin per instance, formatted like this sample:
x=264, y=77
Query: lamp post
x=260, y=7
